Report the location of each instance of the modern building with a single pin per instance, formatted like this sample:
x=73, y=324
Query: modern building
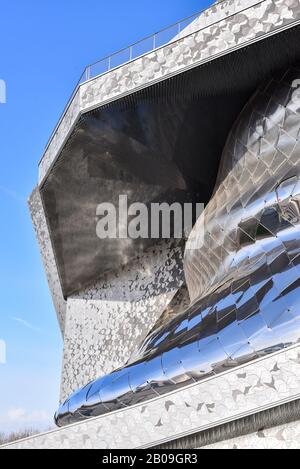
x=191, y=341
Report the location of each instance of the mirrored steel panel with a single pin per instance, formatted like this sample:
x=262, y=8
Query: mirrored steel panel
x=242, y=264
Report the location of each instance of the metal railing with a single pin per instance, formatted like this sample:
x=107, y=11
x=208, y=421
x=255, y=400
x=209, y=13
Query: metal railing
x=131, y=53
x=139, y=49
x=142, y=47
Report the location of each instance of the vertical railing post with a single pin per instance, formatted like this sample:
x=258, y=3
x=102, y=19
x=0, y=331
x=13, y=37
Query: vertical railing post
x=109, y=62
x=130, y=53
x=179, y=28
x=88, y=73
x=154, y=41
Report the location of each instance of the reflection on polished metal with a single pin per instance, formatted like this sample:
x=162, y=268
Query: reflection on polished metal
x=162, y=143
x=244, y=281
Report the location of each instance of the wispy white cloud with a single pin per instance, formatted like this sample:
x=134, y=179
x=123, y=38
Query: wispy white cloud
x=18, y=418
x=27, y=324
x=12, y=194
x=16, y=414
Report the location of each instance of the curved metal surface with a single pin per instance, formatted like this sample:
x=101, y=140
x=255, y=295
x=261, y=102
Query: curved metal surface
x=243, y=275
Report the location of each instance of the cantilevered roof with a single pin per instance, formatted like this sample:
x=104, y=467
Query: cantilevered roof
x=155, y=125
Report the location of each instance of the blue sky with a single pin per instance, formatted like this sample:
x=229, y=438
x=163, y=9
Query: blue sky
x=44, y=47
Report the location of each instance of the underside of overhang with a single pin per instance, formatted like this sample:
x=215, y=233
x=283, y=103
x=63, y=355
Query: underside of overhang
x=161, y=144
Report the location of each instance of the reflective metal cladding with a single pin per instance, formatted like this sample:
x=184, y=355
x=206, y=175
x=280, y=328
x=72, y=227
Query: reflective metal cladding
x=161, y=143
x=243, y=273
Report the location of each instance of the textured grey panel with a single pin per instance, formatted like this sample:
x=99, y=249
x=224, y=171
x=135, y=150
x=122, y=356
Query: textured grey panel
x=286, y=416
x=106, y=322
x=42, y=233
x=285, y=436
x=242, y=263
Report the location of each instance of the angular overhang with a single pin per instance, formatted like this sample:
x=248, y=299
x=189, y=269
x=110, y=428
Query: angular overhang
x=158, y=140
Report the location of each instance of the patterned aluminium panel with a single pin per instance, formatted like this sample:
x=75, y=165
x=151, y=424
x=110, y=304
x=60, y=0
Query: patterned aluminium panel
x=242, y=265
x=106, y=322
x=273, y=380
x=280, y=437
x=43, y=236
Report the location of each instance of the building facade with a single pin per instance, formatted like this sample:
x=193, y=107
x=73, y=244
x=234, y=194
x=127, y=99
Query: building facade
x=190, y=342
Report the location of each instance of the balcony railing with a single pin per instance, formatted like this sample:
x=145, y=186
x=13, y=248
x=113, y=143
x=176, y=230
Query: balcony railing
x=134, y=51
x=142, y=47
x=155, y=41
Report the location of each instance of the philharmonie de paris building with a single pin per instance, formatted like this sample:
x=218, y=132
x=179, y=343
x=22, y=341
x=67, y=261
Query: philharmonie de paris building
x=193, y=340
